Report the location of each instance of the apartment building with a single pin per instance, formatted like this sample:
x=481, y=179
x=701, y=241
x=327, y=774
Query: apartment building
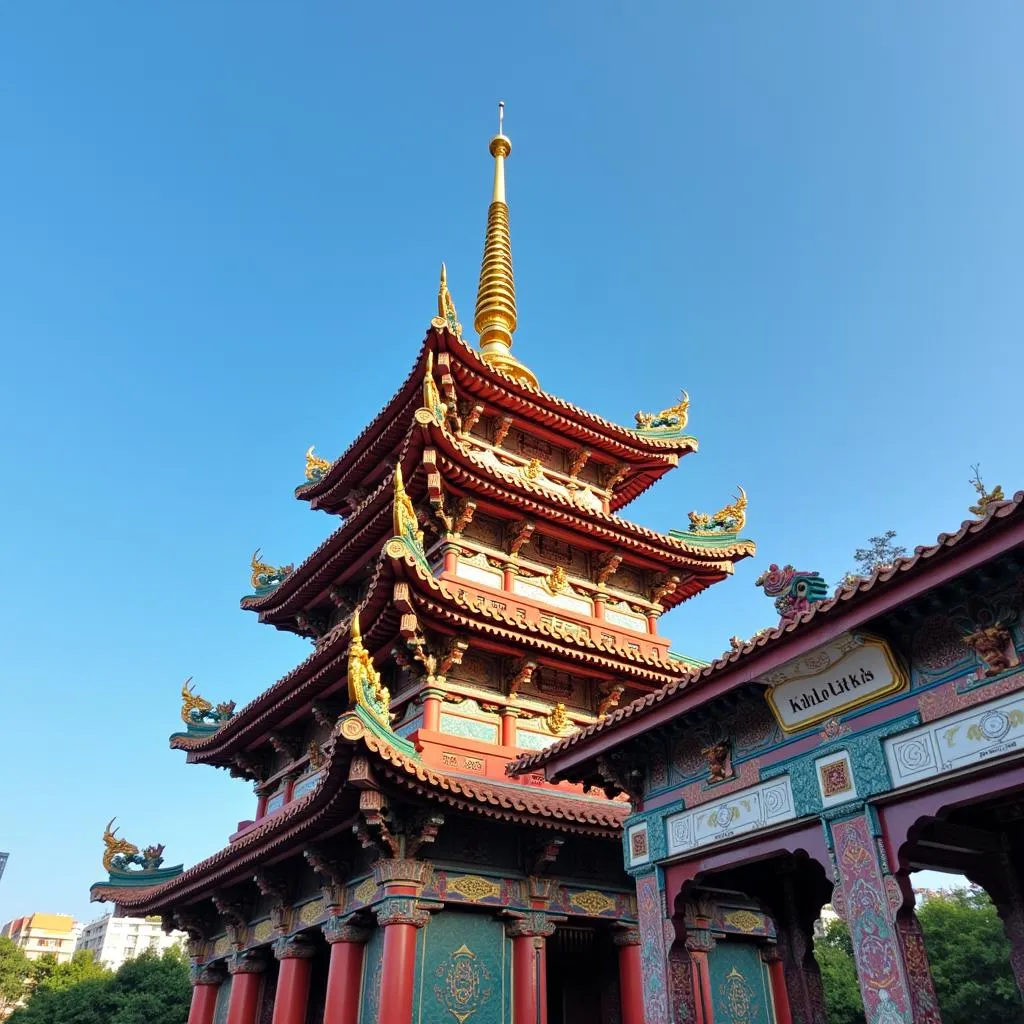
x=113, y=940
x=40, y=934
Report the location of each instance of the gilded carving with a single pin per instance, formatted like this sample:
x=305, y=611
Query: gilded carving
x=672, y=418
x=730, y=519
x=592, y=902
x=474, y=887
x=316, y=467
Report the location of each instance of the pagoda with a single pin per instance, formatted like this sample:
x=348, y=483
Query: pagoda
x=480, y=599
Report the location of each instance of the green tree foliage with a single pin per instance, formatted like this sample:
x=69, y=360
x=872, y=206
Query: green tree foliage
x=834, y=953
x=880, y=552
x=970, y=959
x=151, y=989
x=15, y=969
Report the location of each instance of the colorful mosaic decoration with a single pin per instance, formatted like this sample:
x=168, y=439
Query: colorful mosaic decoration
x=883, y=987
x=835, y=778
x=652, y=949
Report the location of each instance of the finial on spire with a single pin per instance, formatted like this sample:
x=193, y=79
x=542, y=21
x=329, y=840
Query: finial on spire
x=495, y=319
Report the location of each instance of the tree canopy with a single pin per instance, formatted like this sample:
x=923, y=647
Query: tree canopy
x=969, y=957
x=150, y=988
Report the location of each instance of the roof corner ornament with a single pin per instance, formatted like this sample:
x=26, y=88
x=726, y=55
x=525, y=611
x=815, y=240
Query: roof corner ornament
x=199, y=714
x=264, y=577
x=408, y=538
x=446, y=317
x=432, y=396
x=728, y=520
x=668, y=421
x=365, y=690
x=127, y=865
x=795, y=591
x=985, y=498
x=316, y=467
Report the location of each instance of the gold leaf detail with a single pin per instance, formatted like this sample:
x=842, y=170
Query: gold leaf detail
x=474, y=887
x=592, y=902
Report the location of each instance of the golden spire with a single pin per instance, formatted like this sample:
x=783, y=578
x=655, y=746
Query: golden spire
x=495, y=319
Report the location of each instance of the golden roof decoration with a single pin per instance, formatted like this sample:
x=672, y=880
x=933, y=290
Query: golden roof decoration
x=365, y=689
x=671, y=419
x=405, y=521
x=265, y=577
x=316, y=467
x=495, y=319
x=446, y=307
x=558, y=720
x=730, y=519
x=431, y=394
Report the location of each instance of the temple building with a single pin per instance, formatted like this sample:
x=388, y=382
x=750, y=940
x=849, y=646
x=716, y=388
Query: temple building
x=873, y=733
x=481, y=598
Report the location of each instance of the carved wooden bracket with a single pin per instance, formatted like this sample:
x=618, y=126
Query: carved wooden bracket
x=334, y=872
x=234, y=911
x=521, y=672
x=518, y=535
x=246, y=766
x=504, y=426
x=390, y=835
x=614, y=475
x=287, y=744
x=621, y=777
x=325, y=713
x=542, y=856
x=577, y=460
x=472, y=418
x=663, y=585
x=606, y=566
x=611, y=695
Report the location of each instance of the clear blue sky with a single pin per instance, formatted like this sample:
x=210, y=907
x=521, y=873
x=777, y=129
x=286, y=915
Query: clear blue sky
x=221, y=231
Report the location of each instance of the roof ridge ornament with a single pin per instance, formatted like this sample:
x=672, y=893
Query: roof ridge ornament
x=730, y=519
x=446, y=306
x=316, y=467
x=795, y=590
x=365, y=689
x=668, y=421
x=495, y=319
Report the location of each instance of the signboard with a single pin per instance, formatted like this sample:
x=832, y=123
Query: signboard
x=852, y=670
x=3, y=863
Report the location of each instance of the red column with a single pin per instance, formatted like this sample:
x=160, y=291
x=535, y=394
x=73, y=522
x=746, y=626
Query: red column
x=451, y=560
x=780, y=997
x=345, y=974
x=508, y=577
x=246, y=970
x=508, y=726
x=529, y=968
x=631, y=985
x=652, y=623
x=400, y=917
x=432, y=710
x=296, y=956
x=599, y=600
x=206, y=982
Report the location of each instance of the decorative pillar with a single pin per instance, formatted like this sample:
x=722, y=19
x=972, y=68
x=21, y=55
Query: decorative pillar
x=206, y=982
x=631, y=984
x=295, y=953
x=599, y=602
x=401, y=918
x=451, y=558
x=345, y=974
x=432, y=710
x=864, y=901
x=246, y=970
x=923, y=1001
x=401, y=914
x=529, y=967
x=508, y=576
x=776, y=972
x=508, y=726
x=798, y=970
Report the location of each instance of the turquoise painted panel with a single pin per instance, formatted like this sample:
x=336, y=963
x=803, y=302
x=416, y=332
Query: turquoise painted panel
x=533, y=740
x=220, y=1013
x=463, y=971
x=455, y=725
x=305, y=785
x=740, y=992
x=373, y=961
